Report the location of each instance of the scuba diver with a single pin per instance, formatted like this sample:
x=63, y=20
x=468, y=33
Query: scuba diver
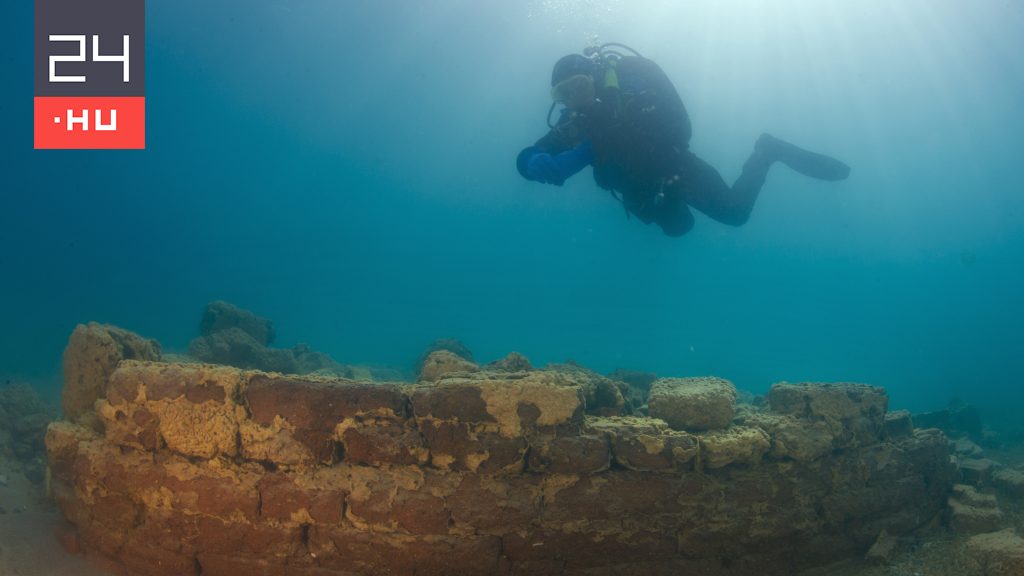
x=622, y=116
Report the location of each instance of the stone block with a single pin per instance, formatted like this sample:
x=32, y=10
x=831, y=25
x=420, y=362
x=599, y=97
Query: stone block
x=854, y=413
x=189, y=408
x=969, y=496
x=131, y=426
x=794, y=438
x=369, y=554
x=91, y=356
x=276, y=544
x=838, y=401
x=473, y=448
x=646, y=444
x=196, y=383
x=494, y=505
x=383, y=442
x=737, y=445
x=276, y=444
x=398, y=500
x=976, y=471
x=62, y=440
x=299, y=499
x=693, y=403
x=170, y=530
x=586, y=454
x=460, y=402
x=882, y=551
x=967, y=449
x=142, y=560
x=233, y=565
x=310, y=409
x=198, y=488
x=1010, y=482
x=967, y=519
x=617, y=551
x=320, y=404
x=515, y=405
x=997, y=554
x=898, y=424
x=607, y=502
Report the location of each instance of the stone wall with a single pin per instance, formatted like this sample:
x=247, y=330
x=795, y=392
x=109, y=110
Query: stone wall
x=198, y=469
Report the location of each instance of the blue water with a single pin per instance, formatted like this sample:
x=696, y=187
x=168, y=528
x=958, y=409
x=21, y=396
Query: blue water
x=347, y=170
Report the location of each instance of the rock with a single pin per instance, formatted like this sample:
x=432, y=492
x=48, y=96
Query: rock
x=693, y=403
x=513, y=362
x=898, y=424
x=997, y=554
x=992, y=439
x=937, y=419
x=642, y=381
x=881, y=552
x=23, y=420
x=966, y=448
x=3, y=480
x=635, y=387
x=220, y=316
x=92, y=354
x=959, y=419
x=1010, y=482
x=977, y=472
x=309, y=361
x=441, y=363
x=602, y=396
x=737, y=445
x=235, y=347
x=964, y=419
x=234, y=337
x=448, y=344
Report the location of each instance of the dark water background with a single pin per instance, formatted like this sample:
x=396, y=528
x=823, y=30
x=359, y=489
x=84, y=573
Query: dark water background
x=346, y=168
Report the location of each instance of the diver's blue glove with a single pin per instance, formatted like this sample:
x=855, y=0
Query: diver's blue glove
x=543, y=167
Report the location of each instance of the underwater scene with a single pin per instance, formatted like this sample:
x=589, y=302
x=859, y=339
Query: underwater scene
x=545, y=287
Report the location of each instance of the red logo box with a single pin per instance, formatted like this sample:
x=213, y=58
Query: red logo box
x=90, y=122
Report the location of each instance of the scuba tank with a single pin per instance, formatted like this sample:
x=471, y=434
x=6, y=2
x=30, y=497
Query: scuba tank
x=605, y=56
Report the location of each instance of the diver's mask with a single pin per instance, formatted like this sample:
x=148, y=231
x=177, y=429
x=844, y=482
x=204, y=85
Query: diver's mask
x=574, y=92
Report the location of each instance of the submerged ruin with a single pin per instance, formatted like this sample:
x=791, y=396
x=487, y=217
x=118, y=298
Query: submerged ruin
x=197, y=469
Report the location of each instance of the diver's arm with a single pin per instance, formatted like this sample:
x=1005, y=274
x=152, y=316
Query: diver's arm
x=534, y=163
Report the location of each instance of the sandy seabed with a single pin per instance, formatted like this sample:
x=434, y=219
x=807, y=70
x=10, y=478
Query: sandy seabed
x=28, y=546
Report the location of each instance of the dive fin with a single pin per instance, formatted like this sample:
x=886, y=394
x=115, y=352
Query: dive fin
x=803, y=161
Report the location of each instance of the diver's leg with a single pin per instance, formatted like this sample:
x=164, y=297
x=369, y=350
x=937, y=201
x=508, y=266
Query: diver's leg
x=702, y=187
x=803, y=161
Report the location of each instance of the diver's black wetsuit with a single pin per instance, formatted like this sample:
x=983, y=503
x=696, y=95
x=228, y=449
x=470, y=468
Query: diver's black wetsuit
x=640, y=133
